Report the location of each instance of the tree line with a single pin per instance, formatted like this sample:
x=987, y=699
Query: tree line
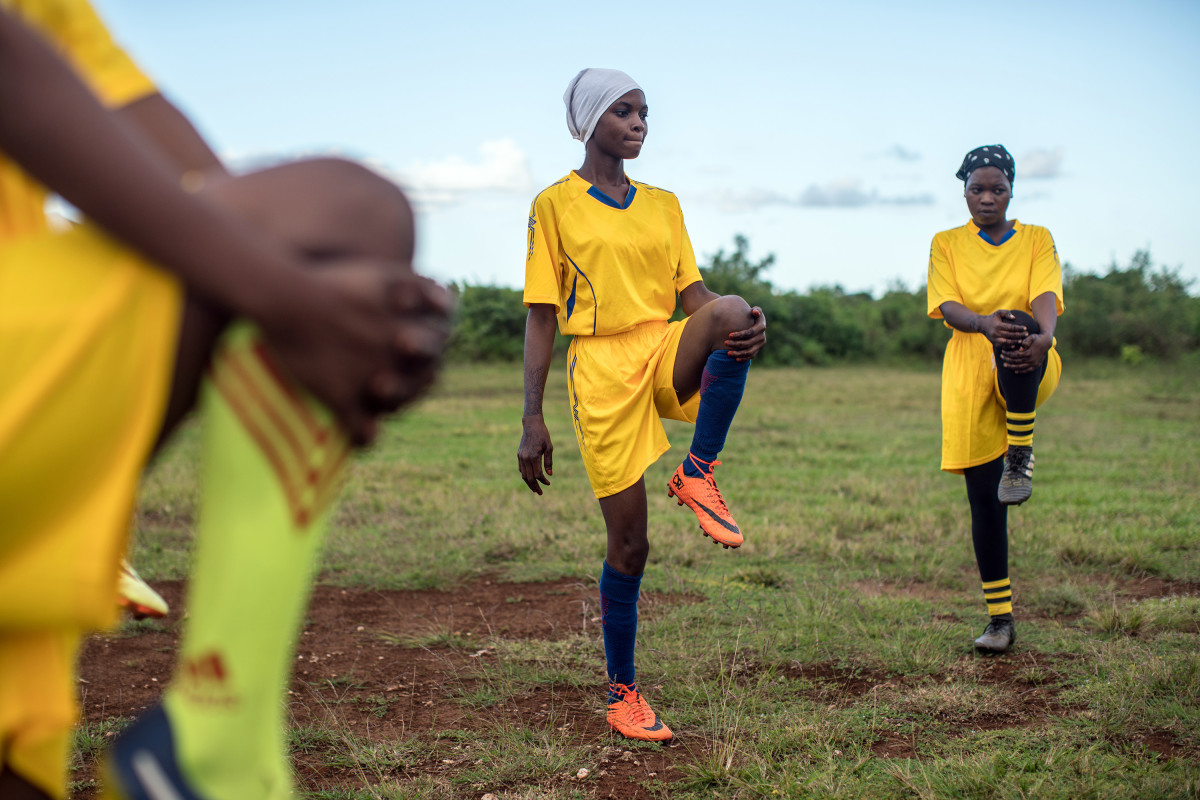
x=1131, y=312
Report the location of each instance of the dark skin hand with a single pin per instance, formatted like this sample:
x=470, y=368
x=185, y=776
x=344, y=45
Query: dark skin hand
x=1020, y=350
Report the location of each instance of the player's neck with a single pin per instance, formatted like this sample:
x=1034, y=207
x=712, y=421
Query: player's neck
x=605, y=173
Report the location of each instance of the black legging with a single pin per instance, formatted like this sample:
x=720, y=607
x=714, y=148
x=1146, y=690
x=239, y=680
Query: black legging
x=1019, y=390
x=989, y=517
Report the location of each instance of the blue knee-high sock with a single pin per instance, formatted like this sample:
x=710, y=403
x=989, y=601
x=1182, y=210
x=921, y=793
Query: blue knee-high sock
x=721, y=389
x=618, y=616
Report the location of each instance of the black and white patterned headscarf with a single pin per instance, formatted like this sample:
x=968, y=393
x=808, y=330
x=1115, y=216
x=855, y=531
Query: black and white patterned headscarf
x=992, y=155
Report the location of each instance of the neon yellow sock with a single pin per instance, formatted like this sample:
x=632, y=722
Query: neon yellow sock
x=272, y=464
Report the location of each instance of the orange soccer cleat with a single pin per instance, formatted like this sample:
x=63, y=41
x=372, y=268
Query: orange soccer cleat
x=631, y=716
x=703, y=497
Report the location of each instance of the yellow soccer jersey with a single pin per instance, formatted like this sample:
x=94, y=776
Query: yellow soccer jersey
x=607, y=268
x=75, y=30
x=968, y=269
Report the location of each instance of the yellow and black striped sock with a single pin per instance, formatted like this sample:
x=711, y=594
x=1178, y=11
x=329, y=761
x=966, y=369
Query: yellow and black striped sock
x=998, y=595
x=1020, y=428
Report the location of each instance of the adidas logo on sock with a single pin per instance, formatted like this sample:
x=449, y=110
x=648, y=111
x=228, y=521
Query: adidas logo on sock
x=204, y=680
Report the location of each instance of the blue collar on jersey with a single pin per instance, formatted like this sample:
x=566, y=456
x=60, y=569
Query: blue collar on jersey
x=1003, y=238
x=608, y=201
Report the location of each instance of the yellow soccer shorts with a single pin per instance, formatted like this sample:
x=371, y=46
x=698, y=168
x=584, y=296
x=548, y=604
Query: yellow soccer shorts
x=620, y=388
x=37, y=706
x=88, y=334
x=974, y=427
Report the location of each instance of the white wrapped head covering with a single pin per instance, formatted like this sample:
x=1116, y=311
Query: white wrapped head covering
x=589, y=94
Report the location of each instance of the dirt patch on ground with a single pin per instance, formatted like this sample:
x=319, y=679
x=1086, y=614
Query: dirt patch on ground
x=401, y=666
x=397, y=676
x=1146, y=588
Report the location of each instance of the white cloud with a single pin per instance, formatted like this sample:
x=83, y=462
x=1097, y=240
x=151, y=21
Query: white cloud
x=841, y=193
x=733, y=202
x=902, y=153
x=1041, y=163
x=501, y=166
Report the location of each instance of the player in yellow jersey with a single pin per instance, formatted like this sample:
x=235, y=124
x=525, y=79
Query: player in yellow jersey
x=606, y=257
x=105, y=332
x=998, y=284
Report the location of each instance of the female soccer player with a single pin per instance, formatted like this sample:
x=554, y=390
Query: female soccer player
x=998, y=284
x=606, y=256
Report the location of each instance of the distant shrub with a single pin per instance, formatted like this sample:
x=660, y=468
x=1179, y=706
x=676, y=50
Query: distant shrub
x=1131, y=313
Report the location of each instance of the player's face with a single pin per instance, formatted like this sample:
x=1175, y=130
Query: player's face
x=621, y=130
x=988, y=192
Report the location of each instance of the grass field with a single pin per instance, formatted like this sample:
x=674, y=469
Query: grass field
x=828, y=657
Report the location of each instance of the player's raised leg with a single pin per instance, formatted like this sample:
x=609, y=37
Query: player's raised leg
x=709, y=362
x=273, y=459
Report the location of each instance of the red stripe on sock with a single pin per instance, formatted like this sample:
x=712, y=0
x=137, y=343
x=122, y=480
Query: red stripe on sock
x=230, y=389
x=268, y=362
x=240, y=364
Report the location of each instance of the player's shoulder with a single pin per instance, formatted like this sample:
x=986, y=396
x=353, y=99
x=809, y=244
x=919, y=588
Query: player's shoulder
x=656, y=192
x=658, y=196
x=563, y=187
x=952, y=235
x=1036, y=231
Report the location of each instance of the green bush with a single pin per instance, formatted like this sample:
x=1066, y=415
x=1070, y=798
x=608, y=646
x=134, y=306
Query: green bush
x=1128, y=314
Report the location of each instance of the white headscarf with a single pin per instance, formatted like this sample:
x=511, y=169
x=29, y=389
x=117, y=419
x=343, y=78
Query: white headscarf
x=588, y=96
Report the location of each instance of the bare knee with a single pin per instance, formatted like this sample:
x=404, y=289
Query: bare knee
x=627, y=554
x=326, y=207
x=729, y=313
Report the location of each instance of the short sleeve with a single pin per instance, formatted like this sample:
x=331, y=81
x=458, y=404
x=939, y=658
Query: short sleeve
x=1046, y=272
x=686, y=271
x=941, y=286
x=106, y=68
x=543, y=270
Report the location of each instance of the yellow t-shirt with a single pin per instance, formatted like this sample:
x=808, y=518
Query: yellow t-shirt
x=607, y=267
x=966, y=268
x=73, y=27
x=984, y=277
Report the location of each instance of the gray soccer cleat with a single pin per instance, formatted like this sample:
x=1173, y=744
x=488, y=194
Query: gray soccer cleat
x=999, y=635
x=1016, y=484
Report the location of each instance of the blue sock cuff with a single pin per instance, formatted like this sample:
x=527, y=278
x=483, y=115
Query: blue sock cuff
x=619, y=587
x=724, y=365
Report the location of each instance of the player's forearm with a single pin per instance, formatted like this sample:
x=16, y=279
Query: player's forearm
x=55, y=129
x=539, y=347
x=161, y=122
x=961, y=318
x=1045, y=311
x=695, y=297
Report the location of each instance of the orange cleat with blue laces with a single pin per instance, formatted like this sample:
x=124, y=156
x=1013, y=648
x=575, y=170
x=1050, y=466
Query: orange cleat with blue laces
x=703, y=497
x=631, y=716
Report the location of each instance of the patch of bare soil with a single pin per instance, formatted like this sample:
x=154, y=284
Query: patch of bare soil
x=390, y=667
x=1146, y=588
x=383, y=666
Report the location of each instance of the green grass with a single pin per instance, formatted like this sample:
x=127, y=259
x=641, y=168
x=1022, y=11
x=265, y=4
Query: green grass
x=858, y=562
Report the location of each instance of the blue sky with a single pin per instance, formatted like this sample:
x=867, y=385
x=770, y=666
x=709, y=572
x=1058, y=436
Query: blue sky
x=827, y=133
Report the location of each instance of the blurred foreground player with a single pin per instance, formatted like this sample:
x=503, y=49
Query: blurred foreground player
x=105, y=333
